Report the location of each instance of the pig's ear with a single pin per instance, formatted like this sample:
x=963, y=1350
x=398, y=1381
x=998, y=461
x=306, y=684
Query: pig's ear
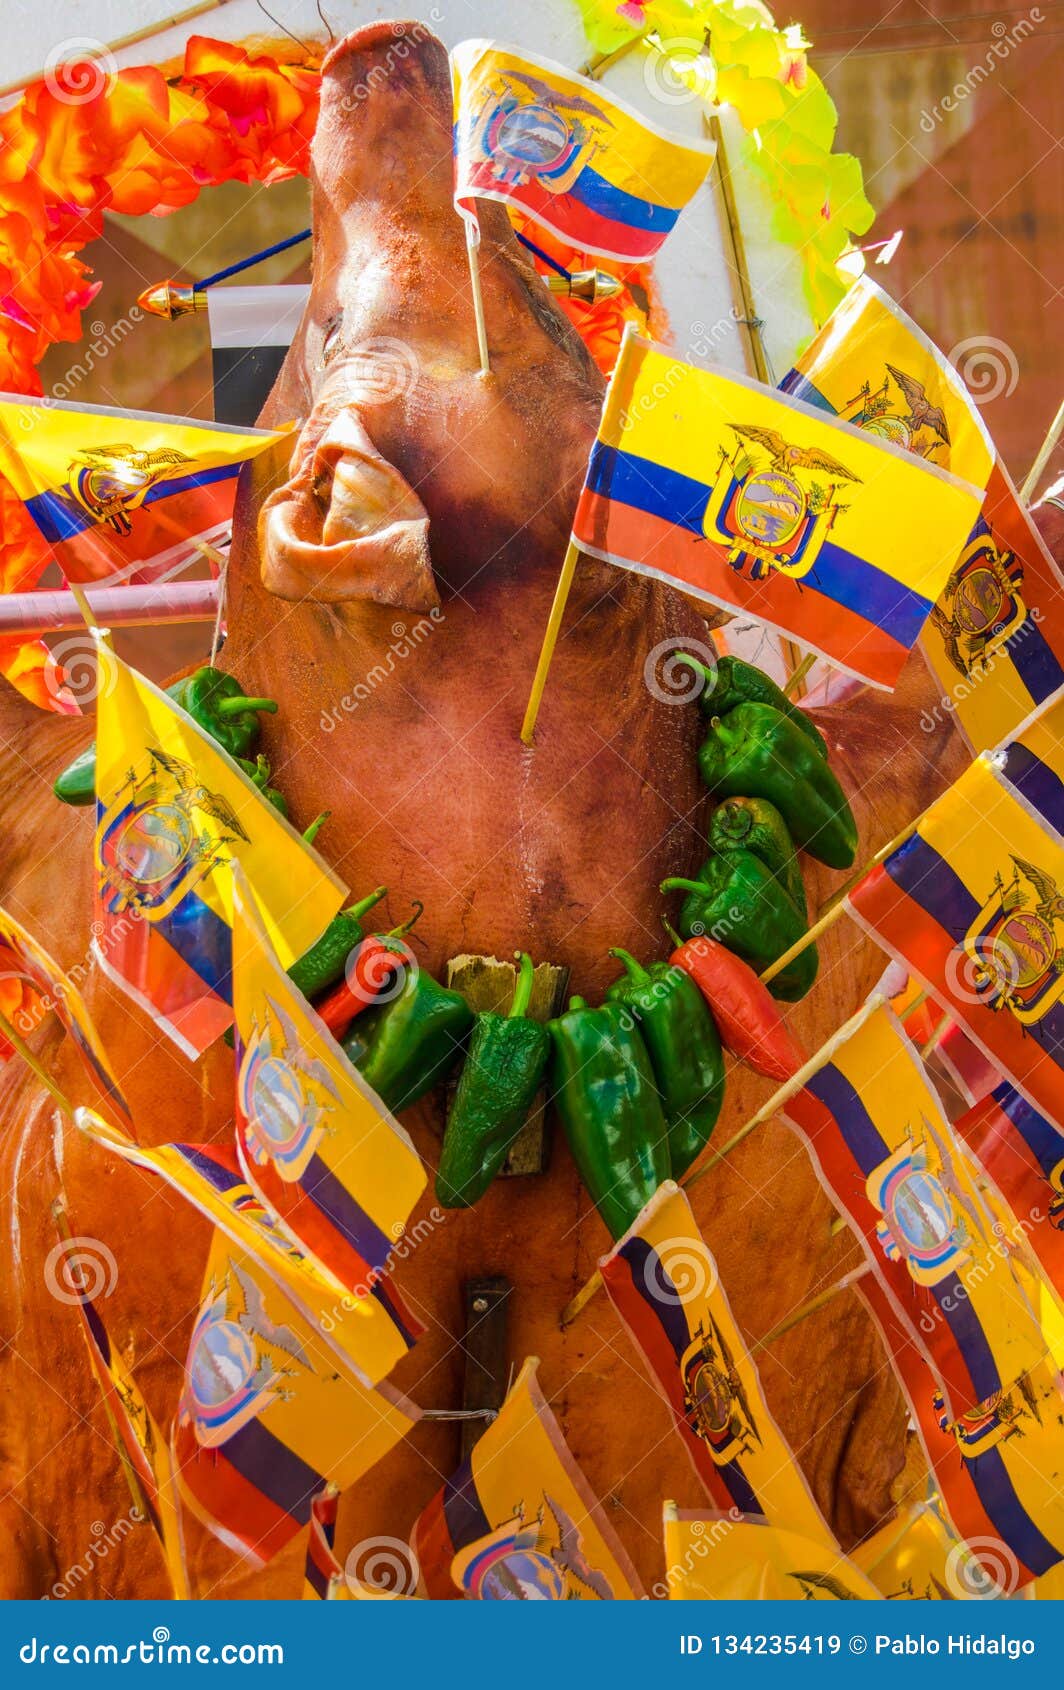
x=347, y=526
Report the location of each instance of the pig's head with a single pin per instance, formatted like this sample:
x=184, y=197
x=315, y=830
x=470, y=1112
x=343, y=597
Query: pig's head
x=413, y=472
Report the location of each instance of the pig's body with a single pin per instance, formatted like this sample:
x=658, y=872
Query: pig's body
x=417, y=543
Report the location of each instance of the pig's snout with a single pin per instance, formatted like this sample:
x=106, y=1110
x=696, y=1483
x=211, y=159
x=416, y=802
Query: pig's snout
x=347, y=525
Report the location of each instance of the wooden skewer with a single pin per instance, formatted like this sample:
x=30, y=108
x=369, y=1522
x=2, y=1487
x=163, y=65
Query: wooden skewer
x=836, y=905
x=793, y=686
x=550, y=640
x=1045, y=452
x=818, y=1302
x=34, y=1062
x=779, y=1097
x=473, y=251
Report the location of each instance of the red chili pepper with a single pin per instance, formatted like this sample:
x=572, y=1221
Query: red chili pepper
x=368, y=971
x=747, y=1016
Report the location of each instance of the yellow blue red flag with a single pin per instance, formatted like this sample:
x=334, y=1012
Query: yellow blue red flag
x=711, y=1558
x=752, y=500
x=123, y=495
x=999, y=1467
x=33, y=986
x=142, y=1448
x=315, y=1143
x=995, y=637
x=1023, y=1154
x=269, y=1413
x=916, y=1557
x=584, y=164
x=971, y=903
x=664, y=1283
x=174, y=812
x=894, y=1168
x=370, y=1333
x=518, y=1521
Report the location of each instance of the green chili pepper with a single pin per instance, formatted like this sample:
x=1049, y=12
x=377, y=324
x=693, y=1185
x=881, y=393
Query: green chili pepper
x=404, y=1047
x=756, y=752
x=603, y=1089
x=735, y=682
x=753, y=824
x=77, y=783
x=324, y=963
x=739, y=902
x=684, y=1049
x=217, y=702
x=502, y=1073
x=212, y=699
x=258, y=773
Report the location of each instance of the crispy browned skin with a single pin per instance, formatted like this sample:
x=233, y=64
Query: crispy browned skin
x=558, y=850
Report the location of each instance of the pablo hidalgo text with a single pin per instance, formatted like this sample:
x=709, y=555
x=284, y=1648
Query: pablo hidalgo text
x=958, y=1643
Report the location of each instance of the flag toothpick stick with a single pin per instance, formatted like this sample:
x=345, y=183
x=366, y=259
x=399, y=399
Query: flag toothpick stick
x=793, y=685
x=473, y=252
x=550, y=640
x=765, y=1113
x=1045, y=452
x=836, y=903
x=820, y=1301
x=34, y=1063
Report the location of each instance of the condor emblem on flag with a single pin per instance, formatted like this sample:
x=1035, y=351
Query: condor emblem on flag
x=1016, y=954
x=922, y=1224
x=123, y=495
x=758, y=503
x=584, y=164
x=174, y=814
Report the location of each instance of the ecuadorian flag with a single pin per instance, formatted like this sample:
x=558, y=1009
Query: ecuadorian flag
x=756, y=502
x=1023, y=1154
x=314, y=1141
x=371, y=1333
x=123, y=495
x=581, y=162
x=174, y=813
x=972, y=904
x=999, y=1467
x=718, y=1559
x=268, y=1414
x=995, y=638
x=664, y=1284
x=518, y=1521
x=892, y=1165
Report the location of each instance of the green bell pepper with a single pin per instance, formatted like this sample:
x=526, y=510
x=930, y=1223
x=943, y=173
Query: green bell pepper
x=738, y=901
x=754, y=751
x=734, y=682
x=404, y=1047
x=753, y=824
x=603, y=1089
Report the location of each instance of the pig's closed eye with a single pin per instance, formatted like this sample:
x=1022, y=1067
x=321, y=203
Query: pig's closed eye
x=332, y=341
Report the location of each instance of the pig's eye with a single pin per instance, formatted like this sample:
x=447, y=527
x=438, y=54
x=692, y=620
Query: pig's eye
x=332, y=342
